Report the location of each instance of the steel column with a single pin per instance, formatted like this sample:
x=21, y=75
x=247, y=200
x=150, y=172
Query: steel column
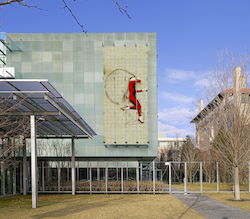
x=43, y=175
x=249, y=177
x=217, y=174
x=137, y=177
x=185, y=179
x=122, y=177
x=106, y=177
x=24, y=169
x=2, y=178
x=90, y=177
x=59, y=177
x=170, y=178
x=154, y=176
x=201, y=178
x=73, y=169
x=33, y=162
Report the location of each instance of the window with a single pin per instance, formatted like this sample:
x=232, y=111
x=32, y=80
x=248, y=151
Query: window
x=243, y=98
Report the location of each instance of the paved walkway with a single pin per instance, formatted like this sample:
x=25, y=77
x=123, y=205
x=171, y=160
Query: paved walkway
x=211, y=208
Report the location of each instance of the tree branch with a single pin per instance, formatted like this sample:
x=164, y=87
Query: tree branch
x=66, y=7
x=122, y=10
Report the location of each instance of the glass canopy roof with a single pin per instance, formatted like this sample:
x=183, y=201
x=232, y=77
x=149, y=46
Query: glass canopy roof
x=56, y=116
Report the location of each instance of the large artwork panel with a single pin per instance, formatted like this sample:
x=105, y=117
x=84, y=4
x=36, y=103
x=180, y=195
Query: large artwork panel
x=125, y=95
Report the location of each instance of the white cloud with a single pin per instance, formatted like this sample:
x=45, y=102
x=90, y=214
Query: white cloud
x=175, y=97
x=176, y=115
x=176, y=75
x=172, y=131
x=176, y=120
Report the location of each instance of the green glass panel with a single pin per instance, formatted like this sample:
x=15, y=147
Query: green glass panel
x=77, y=46
x=57, y=67
x=26, y=46
x=67, y=56
x=47, y=36
x=78, y=67
x=47, y=67
x=57, y=37
x=36, y=37
x=47, y=46
x=36, y=46
x=36, y=67
x=78, y=56
x=26, y=56
x=57, y=46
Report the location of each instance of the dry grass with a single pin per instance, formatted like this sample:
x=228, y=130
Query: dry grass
x=113, y=185
x=227, y=198
x=210, y=187
x=96, y=206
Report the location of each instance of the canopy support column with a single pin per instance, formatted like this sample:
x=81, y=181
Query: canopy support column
x=73, y=169
x=24, y=168
x=33, y=161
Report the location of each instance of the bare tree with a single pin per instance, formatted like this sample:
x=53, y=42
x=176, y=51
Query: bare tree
x=228, y=97
x=191, y=155
x=13, y=129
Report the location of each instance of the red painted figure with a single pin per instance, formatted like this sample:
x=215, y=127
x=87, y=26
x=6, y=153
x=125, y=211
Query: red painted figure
x=132, y=96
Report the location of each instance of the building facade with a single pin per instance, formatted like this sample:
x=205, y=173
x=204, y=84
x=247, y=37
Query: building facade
x=208, y=121
x=110, y=79
x=92, y=72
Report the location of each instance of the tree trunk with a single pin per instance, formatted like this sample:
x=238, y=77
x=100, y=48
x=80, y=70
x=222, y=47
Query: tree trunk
x=236, y=183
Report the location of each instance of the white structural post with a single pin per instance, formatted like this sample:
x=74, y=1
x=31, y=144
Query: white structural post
x=233, y=178
x=185, y=180
x=98, y=171
x=201, y=177
x=73, y=169
x=90, y=178
x=59, y=177
x=127, y=171
x=170, y=178
x=137, y=177
x=117, y=173
x=249, y=177
x=2, y=178
x=43, y=175
x=34, y=184
x=106, y=177
x=122, y=177
x=2, y=174
x=14, y=180
x=24, y=169
x=154, y=176
x=87, y=170
x=217, y=178
x=141, y=169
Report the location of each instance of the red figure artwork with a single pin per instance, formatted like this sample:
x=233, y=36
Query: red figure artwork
x=132, y=96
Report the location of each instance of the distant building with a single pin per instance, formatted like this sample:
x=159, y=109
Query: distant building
x=169, y=148
x=207, y=121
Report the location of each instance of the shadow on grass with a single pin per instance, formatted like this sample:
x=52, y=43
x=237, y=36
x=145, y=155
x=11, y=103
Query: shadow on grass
x=68, y=210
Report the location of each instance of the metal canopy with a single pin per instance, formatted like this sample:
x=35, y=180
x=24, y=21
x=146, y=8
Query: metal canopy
x=56, y=116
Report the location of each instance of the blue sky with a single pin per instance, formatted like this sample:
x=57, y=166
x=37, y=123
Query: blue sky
x=189, y=33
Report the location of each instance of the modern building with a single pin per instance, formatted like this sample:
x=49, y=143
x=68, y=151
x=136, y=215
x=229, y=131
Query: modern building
x=110, y=80
x=169, y=148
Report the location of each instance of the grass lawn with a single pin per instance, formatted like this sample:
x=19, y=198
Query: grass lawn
x=96, y=206
x=210, y=187
x=225, y=197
